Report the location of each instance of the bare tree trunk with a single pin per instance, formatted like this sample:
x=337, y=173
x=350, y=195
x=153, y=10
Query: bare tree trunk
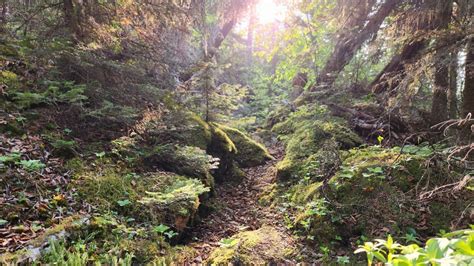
x=389, y=78
x=439, y=106
x=70, y=17
x=250, y=32
x=348, y=44
x=3, y=15
x=452, y=89
x=466, y=133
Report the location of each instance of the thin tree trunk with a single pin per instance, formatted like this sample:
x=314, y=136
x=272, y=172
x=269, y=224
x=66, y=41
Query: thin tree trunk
x=466, y=133
x=70, y=17
x=3, y=15
x=431, y=15
x=439, y=107
x=250, y=33
x=452, y=89
x=348, y=45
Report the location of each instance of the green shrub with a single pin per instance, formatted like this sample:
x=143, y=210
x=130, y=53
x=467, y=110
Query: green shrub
x=58, y=254
x=455, y=248
x=113, y=112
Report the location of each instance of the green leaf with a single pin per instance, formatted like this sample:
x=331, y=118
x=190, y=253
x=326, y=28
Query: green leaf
x=32, y=165
x=436, y=247
x=3, y=222
x=100, y=154
x=123, y=203
x=161, y=228
x=170, y=234
x=379, y=256
x=228, y=242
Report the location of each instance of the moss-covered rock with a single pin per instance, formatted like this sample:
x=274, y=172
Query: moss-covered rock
x=249, y=153
x=375, y=192
x=35, y=246
x=179, y=127
x=312, y=140
x=183, y=160
x=263, y=246
x=223, y=147
x=154, y=197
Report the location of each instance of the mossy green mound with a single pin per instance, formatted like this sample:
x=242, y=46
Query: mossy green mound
x=183, y=160
x=312, y=139
x=263, y=246
x=179, y=127
x=98, y=240
x=375, y=191
x=154, y=197
x=249, y=153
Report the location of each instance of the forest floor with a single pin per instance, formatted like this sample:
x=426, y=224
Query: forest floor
x=239, y=210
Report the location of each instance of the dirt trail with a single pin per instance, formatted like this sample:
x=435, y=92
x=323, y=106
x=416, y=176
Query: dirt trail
x=239, y=209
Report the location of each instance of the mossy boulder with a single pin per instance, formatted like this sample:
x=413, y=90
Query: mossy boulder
x=180, y=127
x=154, y=197
x=377, y=191
x=263, y=246
x=249, y=153
x=233, y=148
x=223, y=147
x=35, y=246
x=183, y=160
x=312, y=139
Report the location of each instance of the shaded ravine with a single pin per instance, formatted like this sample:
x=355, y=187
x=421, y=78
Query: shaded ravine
x=238, y=209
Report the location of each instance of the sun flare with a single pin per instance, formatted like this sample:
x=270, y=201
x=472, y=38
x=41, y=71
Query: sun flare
x=268, y=11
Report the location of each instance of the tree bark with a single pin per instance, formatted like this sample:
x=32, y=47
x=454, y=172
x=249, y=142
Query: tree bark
x=432, y=14
x=70, y=17
x=3, y=15
x=452, y=89
x=439, y=106
x=348, y=44
x=465, y=134
x=392, y=74
x=250, y=33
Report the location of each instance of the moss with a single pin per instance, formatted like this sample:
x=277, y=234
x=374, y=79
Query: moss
x=312, y=139
x=221, y=141
x=175, y=255
x=174, y=201
x=262, y=246
x=223, y=147
x=168, y=198
x=69, y=223
x=249, y=152
x=184, y=128
x=269, y=195
x=8, y=50
x=32, y=252
x=182, y=160
x=303, y=193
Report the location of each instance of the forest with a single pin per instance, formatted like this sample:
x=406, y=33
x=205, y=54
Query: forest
x=236, y=132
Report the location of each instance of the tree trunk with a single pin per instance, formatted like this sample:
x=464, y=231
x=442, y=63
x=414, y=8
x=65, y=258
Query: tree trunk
x=439, y=106
x=452, y=89
x=429, y=15
x=389, y=78
x=250, y=33
x=348, y=44
x=3, y=15
x=465, y=134
x=70, y=17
